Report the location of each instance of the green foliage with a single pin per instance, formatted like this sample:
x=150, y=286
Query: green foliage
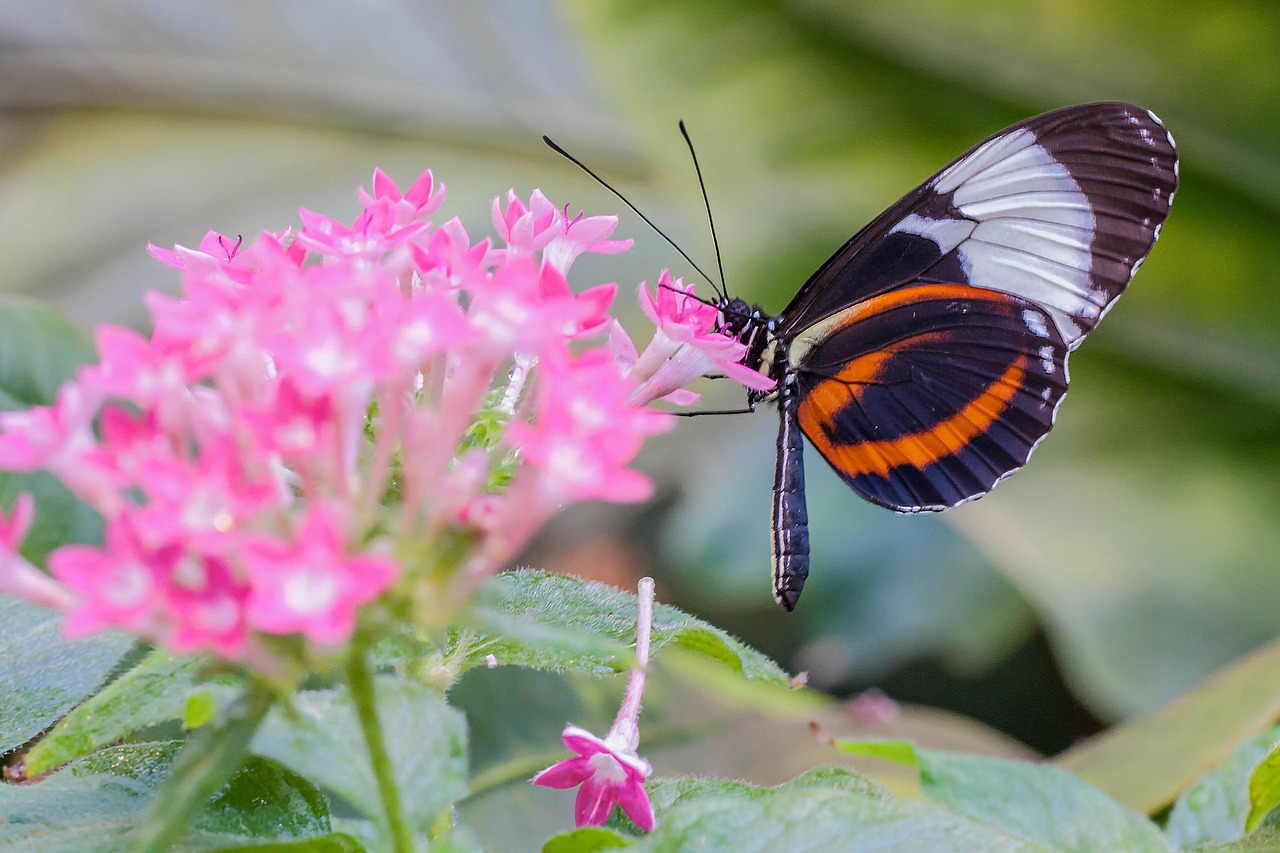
x=1133, y=762
x=1041, y=804
x=318, y=736
x=98, y=803
x=161, y=687
x=1264, y=788
x=1215, y=807
x=42, y=675
x=556, y=622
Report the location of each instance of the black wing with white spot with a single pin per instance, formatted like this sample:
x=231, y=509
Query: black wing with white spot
x=1059, y=210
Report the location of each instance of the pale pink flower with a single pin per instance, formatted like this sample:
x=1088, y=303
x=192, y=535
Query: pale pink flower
x=581, y=235
x=608, y=770
x=526, y=229
x=585, y=433
x=686, y=345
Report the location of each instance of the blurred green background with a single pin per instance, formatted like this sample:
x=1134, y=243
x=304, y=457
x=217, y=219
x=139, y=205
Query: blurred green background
x=1139, y=550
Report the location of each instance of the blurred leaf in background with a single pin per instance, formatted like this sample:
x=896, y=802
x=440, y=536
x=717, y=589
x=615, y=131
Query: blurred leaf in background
x=1144, y=534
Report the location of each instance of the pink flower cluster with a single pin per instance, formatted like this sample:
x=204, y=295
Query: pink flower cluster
x=317, y=409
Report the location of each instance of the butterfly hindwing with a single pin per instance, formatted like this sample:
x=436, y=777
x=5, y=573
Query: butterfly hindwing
x=926, y=396
x=1059, y=210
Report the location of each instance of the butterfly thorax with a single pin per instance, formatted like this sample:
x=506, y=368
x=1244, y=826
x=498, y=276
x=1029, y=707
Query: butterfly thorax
x=754, y=329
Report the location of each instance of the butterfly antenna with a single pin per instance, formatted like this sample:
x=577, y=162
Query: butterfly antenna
x=724, y=293
x=647, y=221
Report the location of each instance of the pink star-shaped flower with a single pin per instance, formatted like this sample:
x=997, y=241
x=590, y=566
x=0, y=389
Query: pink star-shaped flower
x=609, y=775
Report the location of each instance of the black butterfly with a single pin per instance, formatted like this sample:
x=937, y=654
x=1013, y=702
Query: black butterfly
x=927, y=358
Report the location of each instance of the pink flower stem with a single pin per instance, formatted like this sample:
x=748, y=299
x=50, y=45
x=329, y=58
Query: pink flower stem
x=360, y=683
x=626, y=726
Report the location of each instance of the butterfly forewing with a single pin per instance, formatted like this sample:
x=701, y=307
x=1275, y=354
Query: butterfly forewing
x=1059, y=210
x=930, y=350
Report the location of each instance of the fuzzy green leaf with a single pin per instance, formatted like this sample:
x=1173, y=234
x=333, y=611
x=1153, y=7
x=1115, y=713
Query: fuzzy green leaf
x=98, y=803
x=555, y=622
x=1213, y=810
x=1040, y=803
x=1264, y=788
x=43, y=675
x=821, y=819
x=154, y=691
x=320, y=737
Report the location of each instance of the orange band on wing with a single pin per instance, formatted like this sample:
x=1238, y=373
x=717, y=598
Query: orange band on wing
x=909, y=295
x=946, y=438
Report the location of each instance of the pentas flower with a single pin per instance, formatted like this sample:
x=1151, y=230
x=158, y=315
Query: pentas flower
x=342, y=423
x=607, y=771
x=687, y=344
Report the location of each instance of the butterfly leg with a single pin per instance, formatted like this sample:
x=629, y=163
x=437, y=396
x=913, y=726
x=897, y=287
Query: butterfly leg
x=790, y=529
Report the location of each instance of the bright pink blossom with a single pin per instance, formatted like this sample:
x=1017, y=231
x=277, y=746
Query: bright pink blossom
x=313, y=402
x=417, y=202
x=687, y=344
x=310, y=584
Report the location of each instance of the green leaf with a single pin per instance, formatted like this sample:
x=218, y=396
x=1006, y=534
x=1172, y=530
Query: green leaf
x=1040, y=803
x=319, y=737
x=667, y=792
x=897, y=751
x=334, y=842
x=42, y=675
x=821, y=819
x=154, y=691
x=587, y=840
x=207, y=760
x=39, y=350
x=1134, y=762
x=98, y=803
x=556, y=622
x=1215, y=807
x=1264, y=788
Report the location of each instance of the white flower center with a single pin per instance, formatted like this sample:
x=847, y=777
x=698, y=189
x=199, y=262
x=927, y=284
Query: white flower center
x=310, y=593
x=606, y=768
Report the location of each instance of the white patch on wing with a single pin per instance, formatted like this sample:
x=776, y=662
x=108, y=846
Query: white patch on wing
x=947, y=233
x=1035, y=323
x=1034, y=229
x=1046, y=360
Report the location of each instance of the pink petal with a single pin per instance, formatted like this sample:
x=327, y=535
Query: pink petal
x=565, y=774
x=635, y=802
x=595, y=802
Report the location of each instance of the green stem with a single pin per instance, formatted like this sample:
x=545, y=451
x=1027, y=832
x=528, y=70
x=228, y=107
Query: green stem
x=360, y=683
x=211, y=756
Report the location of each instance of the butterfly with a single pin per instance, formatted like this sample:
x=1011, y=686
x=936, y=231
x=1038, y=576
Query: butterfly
x=927, y=358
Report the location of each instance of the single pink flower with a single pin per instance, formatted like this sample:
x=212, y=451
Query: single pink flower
x=374, y=232
x=686, y=345
x=311, y=585
x=117, y=583
x=217, y=253
x=585, y=432
x=609, y=775
x=417, y=202
x=526, y=230
x=581, y=235
x=608, y=769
